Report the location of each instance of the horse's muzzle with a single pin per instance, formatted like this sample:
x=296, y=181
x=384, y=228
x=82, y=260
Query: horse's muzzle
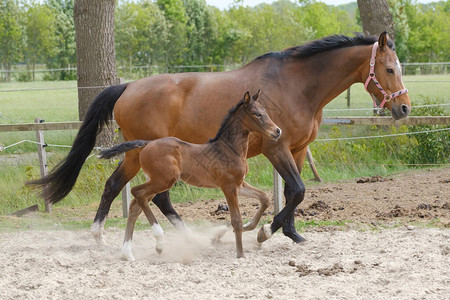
x=400, y=111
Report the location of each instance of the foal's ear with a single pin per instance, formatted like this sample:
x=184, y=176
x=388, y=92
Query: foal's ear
x=255, y=96
x=247, y=98
x=383, y=40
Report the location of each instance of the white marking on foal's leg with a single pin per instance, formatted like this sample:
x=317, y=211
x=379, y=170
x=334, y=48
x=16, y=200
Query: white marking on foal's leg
x=158, y=233
x=97, y=232
x=127, y=253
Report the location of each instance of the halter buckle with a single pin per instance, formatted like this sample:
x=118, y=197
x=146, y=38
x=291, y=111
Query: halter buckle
x=387, y=98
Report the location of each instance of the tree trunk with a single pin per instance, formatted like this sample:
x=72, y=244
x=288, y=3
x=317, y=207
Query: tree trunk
x=376, y=17
x=95, y=50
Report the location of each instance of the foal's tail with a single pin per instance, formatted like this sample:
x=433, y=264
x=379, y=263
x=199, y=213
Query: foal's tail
x=60, y=181
x=121, y=148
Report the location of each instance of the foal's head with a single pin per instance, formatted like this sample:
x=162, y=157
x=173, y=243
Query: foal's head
x=255, y=118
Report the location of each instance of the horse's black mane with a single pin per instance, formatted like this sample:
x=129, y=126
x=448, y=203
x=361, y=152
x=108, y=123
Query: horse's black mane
x=226, y=120
x=325, y=44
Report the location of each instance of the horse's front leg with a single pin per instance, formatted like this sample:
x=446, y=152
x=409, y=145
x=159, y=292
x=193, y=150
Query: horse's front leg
x=249, y=191
x=283, y=161
x=289, y=226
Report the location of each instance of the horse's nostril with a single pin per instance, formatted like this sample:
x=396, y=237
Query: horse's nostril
x=405, y=109
x=278, y=130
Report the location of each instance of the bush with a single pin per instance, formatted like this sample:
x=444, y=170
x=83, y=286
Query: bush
x=24, y=77
x=432, y=147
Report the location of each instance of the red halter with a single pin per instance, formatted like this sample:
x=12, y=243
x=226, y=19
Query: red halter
x=387, y=97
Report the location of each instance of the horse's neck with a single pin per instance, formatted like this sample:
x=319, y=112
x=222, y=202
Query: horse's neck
x=339, y=70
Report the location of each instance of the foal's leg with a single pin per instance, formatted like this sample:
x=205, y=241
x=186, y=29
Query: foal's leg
x=143, y=194
x=249, y=191
x=133, y=214
x=236, y=219
x=162, y=201
x=127, y=169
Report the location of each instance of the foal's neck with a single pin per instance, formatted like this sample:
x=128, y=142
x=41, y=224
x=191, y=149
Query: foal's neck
x=234, y=137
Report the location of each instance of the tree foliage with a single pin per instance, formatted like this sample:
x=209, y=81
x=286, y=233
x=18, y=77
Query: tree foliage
x=167, y=33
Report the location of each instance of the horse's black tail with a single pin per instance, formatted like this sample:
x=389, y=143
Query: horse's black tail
x=60, y=181
x=121, y=148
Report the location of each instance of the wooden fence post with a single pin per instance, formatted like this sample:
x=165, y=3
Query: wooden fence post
x=42, y=154
x=277, y=192
x=348, y=97
x=312, y=164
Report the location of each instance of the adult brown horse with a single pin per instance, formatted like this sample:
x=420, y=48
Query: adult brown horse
x=297, y=83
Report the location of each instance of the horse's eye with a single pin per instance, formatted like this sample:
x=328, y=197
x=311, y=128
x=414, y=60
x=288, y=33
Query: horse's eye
x=258, y=115
x=390, y=71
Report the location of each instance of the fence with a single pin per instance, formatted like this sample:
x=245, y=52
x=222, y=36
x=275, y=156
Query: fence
x=134, y=72
x=39, y=126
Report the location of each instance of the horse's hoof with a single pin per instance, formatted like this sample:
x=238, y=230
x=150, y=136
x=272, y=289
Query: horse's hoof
x=264, y=233
x=99, y=238
x=159, y=250
x=295, y=237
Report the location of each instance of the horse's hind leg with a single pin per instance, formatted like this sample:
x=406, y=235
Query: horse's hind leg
x=162, y=201
x=124, y=173
x=249, y=191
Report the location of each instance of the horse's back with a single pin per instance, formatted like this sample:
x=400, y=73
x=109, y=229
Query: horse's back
x=186, y=105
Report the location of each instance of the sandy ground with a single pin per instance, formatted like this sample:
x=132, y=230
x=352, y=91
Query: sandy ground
x=358, y=261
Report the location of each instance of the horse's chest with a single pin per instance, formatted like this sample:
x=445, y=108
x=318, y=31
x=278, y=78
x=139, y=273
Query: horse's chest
x=304, y=132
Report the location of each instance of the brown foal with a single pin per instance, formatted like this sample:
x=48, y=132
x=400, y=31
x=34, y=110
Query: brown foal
x=220, y=163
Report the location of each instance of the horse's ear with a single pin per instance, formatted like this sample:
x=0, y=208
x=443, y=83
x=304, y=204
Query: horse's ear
x=383, y=40
x=247, y=98
x=255, y=96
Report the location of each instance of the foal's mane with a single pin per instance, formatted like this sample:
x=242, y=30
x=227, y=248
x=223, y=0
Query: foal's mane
x=227, y=120
x=328, y=43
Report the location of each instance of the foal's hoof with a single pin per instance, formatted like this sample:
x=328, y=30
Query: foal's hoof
x=159, y=250
x=127, y=254
x=248, y=226
x=128, y=257
x=264, y=233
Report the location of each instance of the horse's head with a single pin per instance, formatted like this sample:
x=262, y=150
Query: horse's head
x=255, y=117
x=385, y=82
